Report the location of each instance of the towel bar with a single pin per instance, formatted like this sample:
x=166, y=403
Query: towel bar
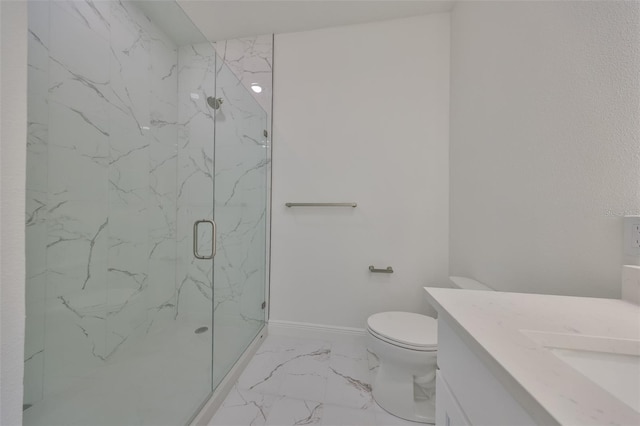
x=321, y=204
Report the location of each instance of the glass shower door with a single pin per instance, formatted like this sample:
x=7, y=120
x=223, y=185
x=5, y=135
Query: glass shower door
x=120, y=166
x=194, y=203
x=240, y=214
x=128, y=147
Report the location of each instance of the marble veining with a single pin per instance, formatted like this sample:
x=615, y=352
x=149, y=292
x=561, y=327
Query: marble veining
x=97, y=165
x=501, y=325
x=120, y=163
x=236, y=173
x=295, y=381
x=153, y=371
x=251, y=60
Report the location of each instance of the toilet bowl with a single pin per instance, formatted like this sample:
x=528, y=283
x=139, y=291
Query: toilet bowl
x=406, y=346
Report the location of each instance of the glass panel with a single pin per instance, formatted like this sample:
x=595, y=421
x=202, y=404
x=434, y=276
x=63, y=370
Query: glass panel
x=240, y=214
x=120, y=165
x=196, y=83
x=194, y=277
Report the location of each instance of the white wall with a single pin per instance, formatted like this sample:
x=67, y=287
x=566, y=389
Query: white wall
x=13, y=135
x=360, y=114
x=545, y=148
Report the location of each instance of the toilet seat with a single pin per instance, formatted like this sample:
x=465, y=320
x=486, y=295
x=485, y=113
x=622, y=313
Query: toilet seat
x=404, y=329
x=402, y=345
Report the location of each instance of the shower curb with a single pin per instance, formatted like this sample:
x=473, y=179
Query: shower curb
x=209, y=408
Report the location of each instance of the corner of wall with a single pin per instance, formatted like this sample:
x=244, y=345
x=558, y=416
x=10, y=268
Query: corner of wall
x=13, y=92
x=544, y=143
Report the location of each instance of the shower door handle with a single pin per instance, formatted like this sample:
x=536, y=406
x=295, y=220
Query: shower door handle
x=195, y=239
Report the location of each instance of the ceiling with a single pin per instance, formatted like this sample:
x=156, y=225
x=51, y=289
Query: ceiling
x=224, y=19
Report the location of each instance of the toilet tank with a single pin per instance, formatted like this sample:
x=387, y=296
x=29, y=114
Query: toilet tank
x=465, y=283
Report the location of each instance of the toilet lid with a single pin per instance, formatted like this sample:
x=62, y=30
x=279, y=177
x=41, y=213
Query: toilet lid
x=405, y=328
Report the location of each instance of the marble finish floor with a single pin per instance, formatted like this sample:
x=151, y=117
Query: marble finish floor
x=295, y=381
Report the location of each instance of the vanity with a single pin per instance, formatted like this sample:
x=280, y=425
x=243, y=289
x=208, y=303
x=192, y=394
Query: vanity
x=531, y=359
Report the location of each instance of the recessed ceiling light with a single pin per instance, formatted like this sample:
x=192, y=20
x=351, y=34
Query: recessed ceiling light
x=256, y=87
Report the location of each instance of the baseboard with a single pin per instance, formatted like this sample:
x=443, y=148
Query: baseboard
x=210, y=407
x=314, y=331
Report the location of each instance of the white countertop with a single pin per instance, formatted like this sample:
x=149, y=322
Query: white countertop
x=491, y=323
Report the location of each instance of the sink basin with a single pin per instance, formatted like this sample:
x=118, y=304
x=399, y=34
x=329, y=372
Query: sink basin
x=612, y=363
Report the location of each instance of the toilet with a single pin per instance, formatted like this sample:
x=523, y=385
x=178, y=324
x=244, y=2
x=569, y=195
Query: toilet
x=406, y=345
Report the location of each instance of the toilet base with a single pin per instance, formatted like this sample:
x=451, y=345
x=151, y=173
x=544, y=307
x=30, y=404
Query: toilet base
x=393, y=390
x=405, y=382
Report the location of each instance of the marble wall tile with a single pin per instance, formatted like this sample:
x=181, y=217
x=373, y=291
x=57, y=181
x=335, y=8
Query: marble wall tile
x=128, y=269
x=95, y=15
x=121, y=162
x=195, y=187
x=65, y=165
x=102, y=169
x=126, y=318
x=36, y=267
x=195, y=176
x=35, y=321
x=37, y=163
x=194, y=285
x=160, y=294
x=194, y=293
x=130, y=65
x=142, y=166
x=242, y=176
x=39, y=24
x=75, y=343
x=36, y=198
x=77, y=247
x=163, y=157
x=163, y=76
x=240, y=201
x=36, y=232
x=37, y=99
x=129, y=180
x=89, y=56
x=251, y=60
x=33, y=378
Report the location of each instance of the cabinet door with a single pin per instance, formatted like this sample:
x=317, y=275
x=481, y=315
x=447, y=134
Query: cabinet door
x=448, y=411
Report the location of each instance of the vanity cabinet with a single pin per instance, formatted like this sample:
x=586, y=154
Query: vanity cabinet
x=467, y=392
x=448, y=411
x=498, y=364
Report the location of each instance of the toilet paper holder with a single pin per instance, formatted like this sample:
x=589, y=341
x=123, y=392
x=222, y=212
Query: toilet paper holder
x=389, y=270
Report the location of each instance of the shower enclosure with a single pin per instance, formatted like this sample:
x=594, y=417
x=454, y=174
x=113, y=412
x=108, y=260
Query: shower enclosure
x=131, y=319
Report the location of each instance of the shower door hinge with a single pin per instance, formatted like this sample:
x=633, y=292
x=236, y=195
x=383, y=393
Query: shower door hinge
x=264, y=305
